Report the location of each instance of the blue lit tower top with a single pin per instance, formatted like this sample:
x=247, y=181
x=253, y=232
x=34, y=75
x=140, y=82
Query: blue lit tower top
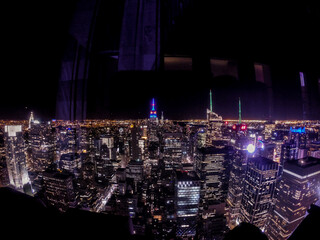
x=153, y=112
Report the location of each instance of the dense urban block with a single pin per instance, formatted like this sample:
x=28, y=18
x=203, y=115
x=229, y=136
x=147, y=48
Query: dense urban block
x=171, y=179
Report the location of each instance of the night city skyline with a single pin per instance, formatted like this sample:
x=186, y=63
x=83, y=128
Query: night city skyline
x=160, y=119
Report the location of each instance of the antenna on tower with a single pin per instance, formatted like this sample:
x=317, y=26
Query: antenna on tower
x=239, y=110
x=210, y=100
x=153, y=109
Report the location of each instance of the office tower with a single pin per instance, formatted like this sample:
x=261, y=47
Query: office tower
x=298, y=136
x=168, y=195
x=214, y=124
x=42, y=143
x=268, y=129
x=201, y=138
x=109, y=141
x=58, y=189
x=72, y=139
x=211, y=166
x=135, y=170
x=99, y=162
x=106, y=158
x=172, y=149
x=84, y=139
x=153, y=134
x=187, y=195
x=298, y=189
x=267, y=150
x=103, y=161
x=88, y=171
x=236, y=181
x=135, y=151
x=258, y=191
x=15, y=156
x=296, y=145
x=71, y=163
x=289, y=151
x=67, y=139
x=121, y=180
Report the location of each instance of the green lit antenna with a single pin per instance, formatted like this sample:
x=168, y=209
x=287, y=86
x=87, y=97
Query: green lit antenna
x=239, y=110
x=210, y=100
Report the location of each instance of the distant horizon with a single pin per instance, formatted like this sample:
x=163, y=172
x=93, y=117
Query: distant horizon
x=137, y=119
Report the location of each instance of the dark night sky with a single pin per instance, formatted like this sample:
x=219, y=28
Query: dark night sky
x=34, y=33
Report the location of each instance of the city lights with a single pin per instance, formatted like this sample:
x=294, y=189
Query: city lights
x=150, y=119
x=251, y=148
x=167, y=175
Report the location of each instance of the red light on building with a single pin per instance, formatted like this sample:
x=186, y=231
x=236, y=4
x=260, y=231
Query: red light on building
x=243, y=127
x=234, y=127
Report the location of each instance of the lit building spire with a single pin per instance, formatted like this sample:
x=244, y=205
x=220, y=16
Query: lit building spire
x=153, y=112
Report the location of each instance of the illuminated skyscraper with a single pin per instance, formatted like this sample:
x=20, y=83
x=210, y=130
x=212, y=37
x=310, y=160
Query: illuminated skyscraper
x=172, y=149
x=135, y=151
x=214, y=124
x=42, y=146
x=15, y=156
x=71, y=163
x=187, y=193
x=153, y=112
x=58, y=189
x=211, y=167
x=239, y=129
x=298, y=189
x=298, y=136
x=259, y=190
x=236, y=181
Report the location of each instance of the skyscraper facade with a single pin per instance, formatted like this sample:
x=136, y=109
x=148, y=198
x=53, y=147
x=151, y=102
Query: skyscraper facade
x=259, y=191
x=58, y=189
x=187, y=194
x=297, y=191
x=15, y=156
x=71, y=163
x=172, y=149
x=210, y=166
x=42, y=143
x=236, y=182
x=135, y=151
